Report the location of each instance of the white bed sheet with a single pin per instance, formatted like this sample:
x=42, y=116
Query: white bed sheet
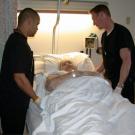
x=82, y=106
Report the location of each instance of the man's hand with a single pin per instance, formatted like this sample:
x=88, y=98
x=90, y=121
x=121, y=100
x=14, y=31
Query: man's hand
x=40, y=103
x=118, y=89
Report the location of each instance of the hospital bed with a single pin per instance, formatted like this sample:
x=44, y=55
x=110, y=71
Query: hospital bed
x=80, y=106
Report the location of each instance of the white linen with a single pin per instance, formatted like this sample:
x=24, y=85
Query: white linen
x=49, y=63
x=39, y=67
x=79, y=59
x=84, y=106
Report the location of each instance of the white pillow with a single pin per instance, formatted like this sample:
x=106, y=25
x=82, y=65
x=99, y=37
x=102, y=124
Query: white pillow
x=79, y=59
x=39, y=67
x=86, y=65
x=51, y=63
x=75, y=57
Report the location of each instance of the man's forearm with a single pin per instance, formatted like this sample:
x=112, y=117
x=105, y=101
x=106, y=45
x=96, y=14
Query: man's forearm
x=25, y=85
x=125, y=55
x=100, y=68
x=124, y=72
x=52, y=83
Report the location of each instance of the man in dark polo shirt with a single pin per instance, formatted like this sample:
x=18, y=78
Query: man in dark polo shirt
x=16, y=76
x=118, y=52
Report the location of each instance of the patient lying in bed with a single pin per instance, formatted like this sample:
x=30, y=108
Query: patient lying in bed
x=83, y=106
x=67, y=70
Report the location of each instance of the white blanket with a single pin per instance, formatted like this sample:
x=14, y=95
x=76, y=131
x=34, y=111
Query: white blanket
x=86, y=106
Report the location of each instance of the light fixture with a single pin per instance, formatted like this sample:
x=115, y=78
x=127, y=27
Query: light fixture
x=66, y=1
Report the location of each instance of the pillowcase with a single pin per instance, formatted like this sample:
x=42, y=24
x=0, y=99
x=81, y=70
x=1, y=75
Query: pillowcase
x=39, y=67
x=51, y=63
x=86, y=65
x=38, y=64
x=79, y=59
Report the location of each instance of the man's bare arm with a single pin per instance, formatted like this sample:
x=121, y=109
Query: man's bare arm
x=125, y=55
x=25, y=85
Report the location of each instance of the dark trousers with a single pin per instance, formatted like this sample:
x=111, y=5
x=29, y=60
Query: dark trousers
x=13, y=115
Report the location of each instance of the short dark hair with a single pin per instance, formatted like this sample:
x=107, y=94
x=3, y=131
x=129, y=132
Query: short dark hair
x=27, y=13
x=100, y=8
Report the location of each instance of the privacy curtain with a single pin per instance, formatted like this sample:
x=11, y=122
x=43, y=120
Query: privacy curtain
x=8, y=13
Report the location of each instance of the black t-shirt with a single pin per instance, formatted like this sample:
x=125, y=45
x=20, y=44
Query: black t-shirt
x=119, y=38
x=17, y=58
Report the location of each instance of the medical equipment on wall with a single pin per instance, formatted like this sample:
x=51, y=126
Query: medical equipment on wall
x=91, y=42
x=54, y=28
x=57, y=22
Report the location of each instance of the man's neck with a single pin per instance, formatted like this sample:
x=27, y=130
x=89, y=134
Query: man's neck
x=110, y=27
x=22, y=31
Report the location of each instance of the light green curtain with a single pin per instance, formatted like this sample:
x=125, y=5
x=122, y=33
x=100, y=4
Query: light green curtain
x=8, y=13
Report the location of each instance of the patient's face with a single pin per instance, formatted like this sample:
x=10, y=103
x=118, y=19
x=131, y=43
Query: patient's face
x=67, y=66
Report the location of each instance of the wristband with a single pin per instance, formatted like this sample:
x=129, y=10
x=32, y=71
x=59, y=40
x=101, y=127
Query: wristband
x=118, y=88
x=120, y=85
x=36, y=100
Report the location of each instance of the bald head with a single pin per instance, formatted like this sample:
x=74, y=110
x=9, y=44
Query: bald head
x=27, y=13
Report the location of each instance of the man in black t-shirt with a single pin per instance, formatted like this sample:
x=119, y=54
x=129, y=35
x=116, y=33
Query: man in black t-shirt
x=118, y=52
x=16, y=76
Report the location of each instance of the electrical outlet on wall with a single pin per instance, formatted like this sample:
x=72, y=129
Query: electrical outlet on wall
x=128, y=20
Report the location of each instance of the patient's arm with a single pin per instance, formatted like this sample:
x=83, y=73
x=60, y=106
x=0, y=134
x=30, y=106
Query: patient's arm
x=53, y=81
x=87, y=73
x=100, y=68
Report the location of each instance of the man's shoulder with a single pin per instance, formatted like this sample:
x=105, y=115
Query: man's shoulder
x=13, y=37
x=120, y=28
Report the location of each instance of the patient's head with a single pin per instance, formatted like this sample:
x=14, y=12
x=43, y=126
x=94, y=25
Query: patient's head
x=67, y=65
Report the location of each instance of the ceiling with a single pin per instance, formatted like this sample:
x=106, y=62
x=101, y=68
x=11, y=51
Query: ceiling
x=73, y=5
